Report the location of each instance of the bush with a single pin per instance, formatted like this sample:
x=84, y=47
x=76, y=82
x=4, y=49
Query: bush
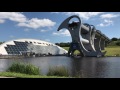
x=17, y=67
x=118, y=43
x=32, y=70
x=24, y=68
x=58, y=71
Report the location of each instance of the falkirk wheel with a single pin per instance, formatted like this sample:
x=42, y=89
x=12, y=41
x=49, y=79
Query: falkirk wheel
x=85, y=38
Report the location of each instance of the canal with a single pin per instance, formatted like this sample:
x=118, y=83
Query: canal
x=86, y=67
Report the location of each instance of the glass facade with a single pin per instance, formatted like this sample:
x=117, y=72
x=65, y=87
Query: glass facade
x=17, y=48
x=24, y=47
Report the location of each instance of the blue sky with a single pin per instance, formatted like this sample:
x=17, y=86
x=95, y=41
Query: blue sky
x=43, y=25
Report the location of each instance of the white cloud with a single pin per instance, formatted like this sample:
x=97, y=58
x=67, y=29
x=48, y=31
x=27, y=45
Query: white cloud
x=44, y=30
x=13, y=16
x=84, y=15
x=106, y=19
x=2, y=21
x=23, y=21
x=101, y=24
x=26, y=30
x=106, y=23
x=37, y=23
x=62, y=33
x=109, y=16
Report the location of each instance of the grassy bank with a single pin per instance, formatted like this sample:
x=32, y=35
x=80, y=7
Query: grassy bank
x=23, y=70
x=67, y=48
x=20, y=75
x=111, y=50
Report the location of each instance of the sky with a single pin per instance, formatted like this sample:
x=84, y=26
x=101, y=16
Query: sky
x=44, y=25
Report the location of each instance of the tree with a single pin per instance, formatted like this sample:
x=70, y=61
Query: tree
x=0, y=42
x=114, y=39
x=63, y=44
x=57, y=44
x=119, y=39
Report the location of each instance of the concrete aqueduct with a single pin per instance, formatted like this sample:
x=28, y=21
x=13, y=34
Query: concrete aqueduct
x=85, y=38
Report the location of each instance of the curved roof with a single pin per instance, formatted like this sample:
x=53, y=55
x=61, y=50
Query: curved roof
x=23, y=40
x=31, y=41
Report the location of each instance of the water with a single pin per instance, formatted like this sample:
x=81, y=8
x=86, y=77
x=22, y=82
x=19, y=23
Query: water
x=86, y=67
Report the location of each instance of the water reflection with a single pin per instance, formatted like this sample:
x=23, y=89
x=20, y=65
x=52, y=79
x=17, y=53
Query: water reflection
x=84, y=67
x=87, y=67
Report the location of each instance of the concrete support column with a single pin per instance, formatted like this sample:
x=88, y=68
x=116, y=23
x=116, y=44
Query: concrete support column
x=97, y=44
x=102, y=44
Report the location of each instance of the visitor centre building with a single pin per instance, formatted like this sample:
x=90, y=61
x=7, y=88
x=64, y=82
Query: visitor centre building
x=37, y=47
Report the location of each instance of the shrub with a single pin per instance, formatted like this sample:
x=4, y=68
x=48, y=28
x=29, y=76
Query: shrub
x=58, y=71
x=24, y=68
x=118, y=43
x=32, y=70
x=17, y=67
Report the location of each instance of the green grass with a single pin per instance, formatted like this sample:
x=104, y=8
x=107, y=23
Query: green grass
x=58, y=71
x=20, y=75
x=67, y=48
x=24, y=68
x=111, y=50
